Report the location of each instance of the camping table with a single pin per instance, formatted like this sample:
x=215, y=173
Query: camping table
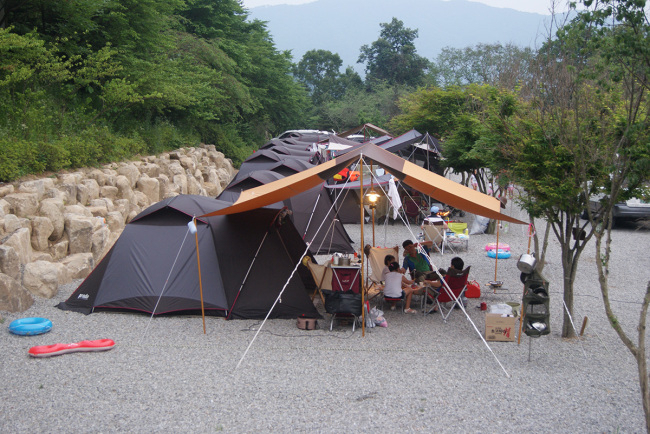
x=346, y=278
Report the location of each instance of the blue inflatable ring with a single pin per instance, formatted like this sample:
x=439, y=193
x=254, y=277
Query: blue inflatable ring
x=502, y=254
x=30, y=326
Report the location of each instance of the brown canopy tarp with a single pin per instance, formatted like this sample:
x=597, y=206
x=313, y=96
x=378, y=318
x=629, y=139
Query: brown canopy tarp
x=424, y=181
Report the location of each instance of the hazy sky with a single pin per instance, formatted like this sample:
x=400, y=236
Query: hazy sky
x=538, y=6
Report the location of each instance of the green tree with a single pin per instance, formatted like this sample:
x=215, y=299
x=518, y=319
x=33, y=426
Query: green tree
x=319, y=71
x=393, y=58
x=504, y=66
x=360, y=105
x=620, y=33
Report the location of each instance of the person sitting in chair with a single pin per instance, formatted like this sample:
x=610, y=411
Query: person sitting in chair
x=398, y=286
x=418, y=264
x=456, y=268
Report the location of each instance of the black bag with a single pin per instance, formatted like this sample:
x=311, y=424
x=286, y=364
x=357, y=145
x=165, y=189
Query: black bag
x=343, y=302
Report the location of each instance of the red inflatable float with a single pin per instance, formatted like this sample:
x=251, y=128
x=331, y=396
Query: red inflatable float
x=57, y=349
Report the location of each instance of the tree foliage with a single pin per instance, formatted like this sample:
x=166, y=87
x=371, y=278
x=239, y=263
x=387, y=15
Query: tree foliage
x=393, y=58
x=141, y=71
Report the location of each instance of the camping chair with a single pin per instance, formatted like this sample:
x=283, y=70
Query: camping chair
x=437, y=234
x=322, y=275
x=376, y=256
x=411, y=209
x=457, y=283
x=461, y=234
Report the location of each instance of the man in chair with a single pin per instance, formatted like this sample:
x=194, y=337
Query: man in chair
x=418, y=264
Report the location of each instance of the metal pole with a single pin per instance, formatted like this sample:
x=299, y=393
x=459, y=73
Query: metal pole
x=363, y=289
x=198, y=260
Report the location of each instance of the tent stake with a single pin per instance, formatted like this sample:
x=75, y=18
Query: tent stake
x=198, y=260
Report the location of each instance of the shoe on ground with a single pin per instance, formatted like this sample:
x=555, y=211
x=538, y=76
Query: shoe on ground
x=409, y=310
x=392, y=308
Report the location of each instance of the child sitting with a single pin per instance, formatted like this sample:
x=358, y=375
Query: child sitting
x=398, y=286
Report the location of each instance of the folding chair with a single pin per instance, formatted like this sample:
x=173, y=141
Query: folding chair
x=437, y=234
x=376, y=257
x=412, y=209
x=452, y=291
x=322, y=275
x=461, y=234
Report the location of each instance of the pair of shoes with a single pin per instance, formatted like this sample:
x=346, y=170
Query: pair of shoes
x=409, y=310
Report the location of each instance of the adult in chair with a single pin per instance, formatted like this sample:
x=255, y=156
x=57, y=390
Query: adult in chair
x=418, y=264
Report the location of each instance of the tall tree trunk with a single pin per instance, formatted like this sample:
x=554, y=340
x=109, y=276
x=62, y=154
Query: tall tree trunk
x=567, y=328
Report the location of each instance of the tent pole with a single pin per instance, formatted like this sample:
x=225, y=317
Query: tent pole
x=363, y=289
x=372, y=208
x=198, y=260
x=496, y=257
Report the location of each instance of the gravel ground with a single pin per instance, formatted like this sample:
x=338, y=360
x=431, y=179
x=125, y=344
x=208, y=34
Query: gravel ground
x=419, y=374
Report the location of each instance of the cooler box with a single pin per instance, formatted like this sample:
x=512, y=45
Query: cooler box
x=346, y=279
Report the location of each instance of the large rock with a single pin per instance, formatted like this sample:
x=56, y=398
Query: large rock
x=63, y=274
x=224, y=176
x=131, y=172
x=180, y=181
x=59, y=250
x=12, y=223
x=109, y=192
x=41, y=278
x=124, y=188
x=55, y=193
x=98, y=176
x=77, y=210
x=150, y=187
x=9, y=262
x=23, y=204
x=91, y=189
x=115, y=221
x=175, y=168
x=69, y=191
x=5, y=208
x=53, y=210
x=42, y=229
x=79, y=265
x=13, y=297
x=124, y=207
x=194, y=186
x=141, y=200
x=38, y=186
x=100, y=243
x=20, y=240
x=6, y=189
x=80, y=231
x=212, y=190
x=151, y=170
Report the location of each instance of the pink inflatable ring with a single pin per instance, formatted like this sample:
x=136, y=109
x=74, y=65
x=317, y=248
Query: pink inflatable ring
x=493, y=246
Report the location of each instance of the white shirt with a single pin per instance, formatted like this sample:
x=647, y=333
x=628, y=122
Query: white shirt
x=393, y=286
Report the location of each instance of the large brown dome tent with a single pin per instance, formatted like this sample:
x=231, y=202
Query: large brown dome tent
x=156, y=255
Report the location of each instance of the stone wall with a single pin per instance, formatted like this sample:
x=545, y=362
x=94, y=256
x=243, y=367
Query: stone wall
x=55, y=229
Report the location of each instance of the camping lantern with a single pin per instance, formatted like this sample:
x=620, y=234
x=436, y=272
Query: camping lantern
x=372, y=197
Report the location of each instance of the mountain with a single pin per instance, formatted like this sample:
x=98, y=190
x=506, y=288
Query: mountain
x=343, y=26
